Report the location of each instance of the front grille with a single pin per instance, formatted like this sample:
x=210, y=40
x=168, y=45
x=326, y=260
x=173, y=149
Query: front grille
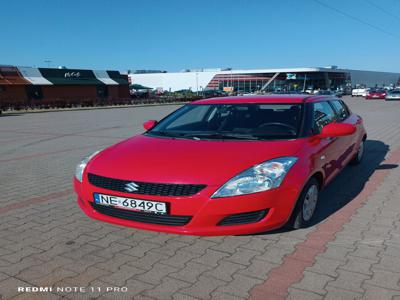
x=142, y=217
x=243, y=218
x=146, y=188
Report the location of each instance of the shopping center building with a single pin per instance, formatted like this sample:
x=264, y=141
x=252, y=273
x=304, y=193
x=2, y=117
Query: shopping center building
x=287, y=79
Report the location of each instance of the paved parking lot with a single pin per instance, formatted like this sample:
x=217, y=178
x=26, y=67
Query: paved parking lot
x=352, y=251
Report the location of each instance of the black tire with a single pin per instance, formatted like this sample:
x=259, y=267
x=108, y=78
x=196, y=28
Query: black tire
x=358, y=158
x=298, y=218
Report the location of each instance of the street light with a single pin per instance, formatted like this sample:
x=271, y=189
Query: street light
x=197, y=83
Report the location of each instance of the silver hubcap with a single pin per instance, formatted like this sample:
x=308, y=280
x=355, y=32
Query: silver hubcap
x=310, y=202
x=360, y=151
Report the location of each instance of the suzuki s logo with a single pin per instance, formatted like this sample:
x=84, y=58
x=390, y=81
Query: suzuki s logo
x=131, y=187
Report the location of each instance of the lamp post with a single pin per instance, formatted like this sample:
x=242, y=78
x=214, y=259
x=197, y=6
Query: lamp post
x=197, y=83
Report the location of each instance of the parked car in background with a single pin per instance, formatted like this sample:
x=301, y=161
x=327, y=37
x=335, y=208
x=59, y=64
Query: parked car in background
x=329, y=93
x=213, y=93
x=359, y=92
x=323, y=92
x=346, y=90
x=339, y=93
x=310, y=90
x=232, y=165
x=376, y=94
x=393, y=95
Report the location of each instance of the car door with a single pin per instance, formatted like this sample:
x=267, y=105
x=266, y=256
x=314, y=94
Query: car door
x=329, y=149
x=347, y=144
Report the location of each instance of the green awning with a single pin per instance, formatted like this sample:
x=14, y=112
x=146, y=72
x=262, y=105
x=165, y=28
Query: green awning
x=118, y=77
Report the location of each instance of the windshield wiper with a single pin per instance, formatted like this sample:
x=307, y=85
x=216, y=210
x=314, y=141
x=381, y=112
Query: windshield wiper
x=172, y=134
x=207, y=135
x=219, y=135
x=165, y=133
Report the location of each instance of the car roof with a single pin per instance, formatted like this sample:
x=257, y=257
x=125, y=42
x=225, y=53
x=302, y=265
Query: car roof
x=285, y=99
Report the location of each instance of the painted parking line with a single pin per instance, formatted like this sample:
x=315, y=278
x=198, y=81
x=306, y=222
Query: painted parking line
x=35, y=200
x=291, y=270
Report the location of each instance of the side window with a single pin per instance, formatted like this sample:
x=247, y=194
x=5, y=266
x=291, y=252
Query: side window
x=323, y=115
x=341, y=111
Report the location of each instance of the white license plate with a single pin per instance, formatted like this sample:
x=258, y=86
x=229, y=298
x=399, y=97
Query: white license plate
x=131, y=204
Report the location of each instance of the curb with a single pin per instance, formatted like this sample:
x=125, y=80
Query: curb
x=15, y=112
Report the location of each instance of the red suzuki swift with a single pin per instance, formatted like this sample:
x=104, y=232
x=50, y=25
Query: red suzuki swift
x=220, y=166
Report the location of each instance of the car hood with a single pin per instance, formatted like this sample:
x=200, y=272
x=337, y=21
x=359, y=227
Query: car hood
x=165, y=160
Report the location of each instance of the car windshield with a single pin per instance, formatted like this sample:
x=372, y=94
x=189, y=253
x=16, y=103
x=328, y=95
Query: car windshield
x=376, y=91
x=232, y=122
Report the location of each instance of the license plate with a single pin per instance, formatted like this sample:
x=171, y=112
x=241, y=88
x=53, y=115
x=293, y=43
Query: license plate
x=131, y=204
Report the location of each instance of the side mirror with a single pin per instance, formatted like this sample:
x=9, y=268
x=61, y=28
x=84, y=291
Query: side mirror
x=337, y=129
x=149, y=124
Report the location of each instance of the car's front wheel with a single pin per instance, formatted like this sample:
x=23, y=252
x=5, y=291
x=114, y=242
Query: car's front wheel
x=305, y=206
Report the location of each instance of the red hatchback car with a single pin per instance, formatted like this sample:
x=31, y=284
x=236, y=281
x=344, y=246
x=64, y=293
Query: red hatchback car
x=233, y=165
x=376, y=94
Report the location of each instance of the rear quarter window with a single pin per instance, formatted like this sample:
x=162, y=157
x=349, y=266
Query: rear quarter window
x=342, y=112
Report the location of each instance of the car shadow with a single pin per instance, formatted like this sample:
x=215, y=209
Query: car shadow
x=349, y=183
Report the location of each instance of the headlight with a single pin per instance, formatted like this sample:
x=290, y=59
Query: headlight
x=82, y=165
x=265, y=176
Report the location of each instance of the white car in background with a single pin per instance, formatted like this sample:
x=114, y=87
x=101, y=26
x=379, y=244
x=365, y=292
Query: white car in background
x=359, y=92
x=393, y=95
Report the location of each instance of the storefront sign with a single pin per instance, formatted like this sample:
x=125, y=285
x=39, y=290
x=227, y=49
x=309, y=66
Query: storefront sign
x=72, y=74
x=290, y=76
x=228, y=89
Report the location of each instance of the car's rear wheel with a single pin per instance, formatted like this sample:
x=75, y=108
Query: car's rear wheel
x=360, y=154
x=306, y=205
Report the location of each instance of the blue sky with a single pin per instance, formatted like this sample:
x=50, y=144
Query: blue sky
x=176, y=34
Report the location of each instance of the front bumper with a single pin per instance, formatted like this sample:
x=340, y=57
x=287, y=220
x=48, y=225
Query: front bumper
x=374, y=97
x=207, y=215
